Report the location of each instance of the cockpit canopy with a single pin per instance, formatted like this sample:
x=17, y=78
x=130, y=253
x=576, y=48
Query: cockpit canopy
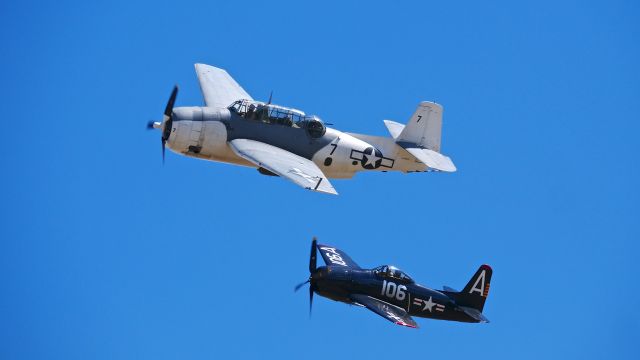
x=393, y=273
x=279, y=115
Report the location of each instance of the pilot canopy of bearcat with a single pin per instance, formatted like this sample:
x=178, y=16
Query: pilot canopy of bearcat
x=392, y=272
x=279, y=115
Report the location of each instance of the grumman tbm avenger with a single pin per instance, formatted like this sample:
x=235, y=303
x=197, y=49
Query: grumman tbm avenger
x=391, y=293
x=285, y=142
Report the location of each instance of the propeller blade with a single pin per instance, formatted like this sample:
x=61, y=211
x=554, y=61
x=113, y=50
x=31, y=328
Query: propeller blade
x=168, y=110
x=163, y=142
x=300, y=285
x=172, y=100
x=270, y=96
x=311, y=289
x=168, y=121
x=150, y=125
x=314, y=256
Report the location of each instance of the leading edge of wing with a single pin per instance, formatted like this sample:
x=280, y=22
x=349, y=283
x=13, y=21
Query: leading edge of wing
x=301, y=171
x=390, y=312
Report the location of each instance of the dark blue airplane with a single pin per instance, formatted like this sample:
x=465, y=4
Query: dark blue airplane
x=391, y=293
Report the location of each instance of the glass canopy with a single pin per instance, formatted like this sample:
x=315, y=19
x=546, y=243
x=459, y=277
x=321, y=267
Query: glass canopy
x=392, y=272
x=278, y=115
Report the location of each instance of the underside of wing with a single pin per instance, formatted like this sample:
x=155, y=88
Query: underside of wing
x=218, y=87
x=283, y=163
x=390, y=312
x=334, y=256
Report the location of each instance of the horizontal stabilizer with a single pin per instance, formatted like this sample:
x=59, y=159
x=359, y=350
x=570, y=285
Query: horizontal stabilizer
x=474, y=314
x=394, y=128
x=432, y=159
x=446, y=288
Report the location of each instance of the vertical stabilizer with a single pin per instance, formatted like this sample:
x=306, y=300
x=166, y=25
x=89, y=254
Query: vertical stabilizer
x=424, y=127
x=475, y=293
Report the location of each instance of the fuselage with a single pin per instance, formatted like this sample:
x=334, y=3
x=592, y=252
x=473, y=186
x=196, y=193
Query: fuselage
x=338, y=283
x=204, y=132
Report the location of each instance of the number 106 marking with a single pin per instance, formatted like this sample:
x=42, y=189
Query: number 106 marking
x=390, y=289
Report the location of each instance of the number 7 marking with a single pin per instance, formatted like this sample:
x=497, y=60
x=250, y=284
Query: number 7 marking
x=335, y=146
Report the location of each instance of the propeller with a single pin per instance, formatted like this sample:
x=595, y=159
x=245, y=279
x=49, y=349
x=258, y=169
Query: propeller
x=300, y=285
x=313, y=258
x=167, y=120
x=270, y=96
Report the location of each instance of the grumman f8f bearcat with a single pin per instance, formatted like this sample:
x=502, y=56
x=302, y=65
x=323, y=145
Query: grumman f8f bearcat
x=285, y=142
x=391, y=293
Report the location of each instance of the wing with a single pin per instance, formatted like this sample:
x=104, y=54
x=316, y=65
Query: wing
x=218, y=87
x=288, y=165
x=390, y=312
x=333, y=256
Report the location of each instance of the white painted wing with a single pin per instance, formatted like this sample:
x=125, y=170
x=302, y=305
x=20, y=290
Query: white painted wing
x=432, y=159
x=218, y=87
x=283, y=163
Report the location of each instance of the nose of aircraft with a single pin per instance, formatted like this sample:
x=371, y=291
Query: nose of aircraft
x=166, y=123
x=319, y=274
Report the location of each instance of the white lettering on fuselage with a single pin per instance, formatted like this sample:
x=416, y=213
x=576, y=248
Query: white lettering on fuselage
x=390, y=289
x=334, y=256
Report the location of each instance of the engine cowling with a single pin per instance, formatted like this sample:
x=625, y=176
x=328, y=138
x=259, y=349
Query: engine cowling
x=198, y=131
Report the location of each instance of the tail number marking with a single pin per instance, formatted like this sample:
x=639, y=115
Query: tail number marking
x=390, y=289
x=478, y=286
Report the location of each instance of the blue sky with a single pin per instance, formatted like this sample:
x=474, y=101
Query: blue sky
x=105, y=253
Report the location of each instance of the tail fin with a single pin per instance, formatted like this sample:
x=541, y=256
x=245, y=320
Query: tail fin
x=424, y=127
x=475, y=293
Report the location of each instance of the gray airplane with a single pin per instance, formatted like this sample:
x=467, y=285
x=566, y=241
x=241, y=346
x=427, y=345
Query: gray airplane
x=285, y=142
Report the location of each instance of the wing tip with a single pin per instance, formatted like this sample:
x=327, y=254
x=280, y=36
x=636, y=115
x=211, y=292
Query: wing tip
x=204, y=67
x=324, y=191
x=406, y=324
x=449, y=167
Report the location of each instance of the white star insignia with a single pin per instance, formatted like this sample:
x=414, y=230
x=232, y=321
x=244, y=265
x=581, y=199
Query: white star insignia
x=371, y=159
x=428, y=304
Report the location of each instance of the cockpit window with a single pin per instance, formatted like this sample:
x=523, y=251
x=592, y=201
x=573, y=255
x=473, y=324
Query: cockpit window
x=392, y=272
x=267, y=113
